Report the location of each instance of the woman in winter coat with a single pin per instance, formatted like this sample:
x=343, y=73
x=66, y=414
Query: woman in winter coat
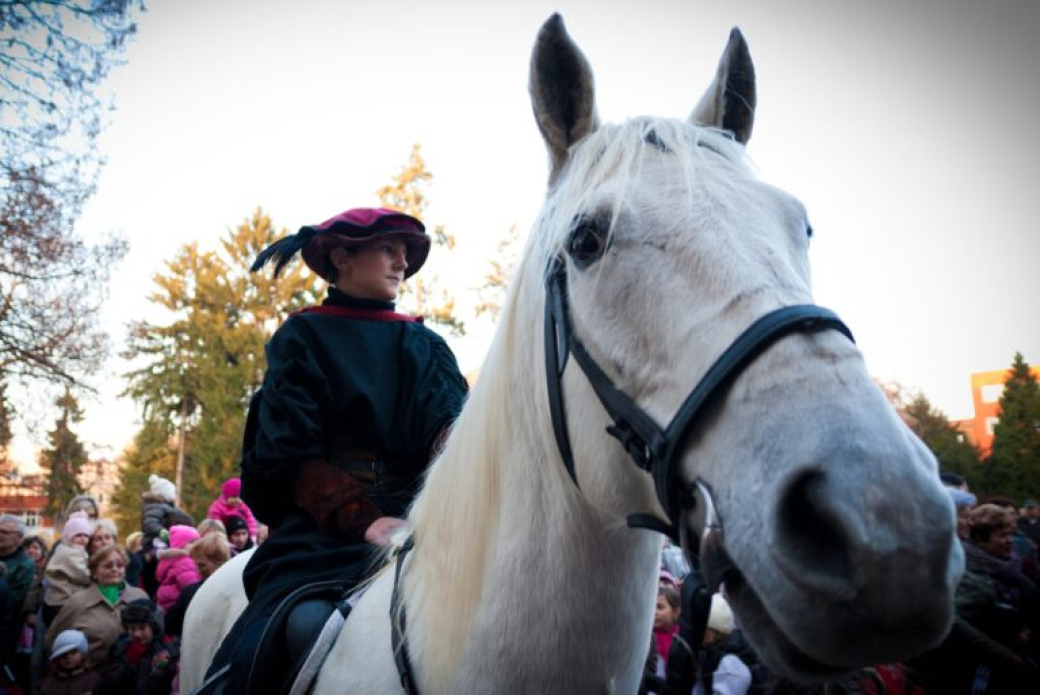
x=177, y=569
x=95, y=610
x=230, y=504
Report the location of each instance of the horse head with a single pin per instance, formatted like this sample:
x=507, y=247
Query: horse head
x=834, y=538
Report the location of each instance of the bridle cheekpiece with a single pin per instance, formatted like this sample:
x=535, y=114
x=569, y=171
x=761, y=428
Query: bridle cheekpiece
x=655, y=449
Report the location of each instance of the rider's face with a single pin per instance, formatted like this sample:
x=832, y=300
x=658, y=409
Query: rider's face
x=371, y=271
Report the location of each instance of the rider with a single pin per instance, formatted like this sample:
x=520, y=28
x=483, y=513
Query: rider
x=355, y=402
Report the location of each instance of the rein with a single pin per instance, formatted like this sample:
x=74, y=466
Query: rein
x=652, y=448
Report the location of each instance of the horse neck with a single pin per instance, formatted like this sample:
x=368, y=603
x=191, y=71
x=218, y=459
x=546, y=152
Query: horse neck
x=499, y=519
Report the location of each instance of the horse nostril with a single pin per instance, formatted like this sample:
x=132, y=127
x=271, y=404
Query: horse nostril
x=814, y=536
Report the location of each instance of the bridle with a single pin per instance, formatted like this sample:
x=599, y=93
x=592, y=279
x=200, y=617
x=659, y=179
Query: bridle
x=652, y=448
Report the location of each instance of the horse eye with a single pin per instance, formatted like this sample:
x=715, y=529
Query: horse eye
x=808, y=230
x=586, y=244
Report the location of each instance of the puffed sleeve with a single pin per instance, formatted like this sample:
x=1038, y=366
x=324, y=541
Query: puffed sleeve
x=295, y=394
x=441, y=391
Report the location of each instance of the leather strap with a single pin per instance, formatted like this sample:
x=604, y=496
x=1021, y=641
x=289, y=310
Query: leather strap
x=398, y=640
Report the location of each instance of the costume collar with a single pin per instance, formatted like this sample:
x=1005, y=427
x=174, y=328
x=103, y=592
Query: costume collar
x=343, y=305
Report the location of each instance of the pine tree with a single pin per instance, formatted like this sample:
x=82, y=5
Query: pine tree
x=201, y=367
x=423, y=294
x=151, y=452
x=65, y=456
x=1016, y=436
x=955, y=453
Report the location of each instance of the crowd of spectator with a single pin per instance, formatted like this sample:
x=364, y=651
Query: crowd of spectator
x=992, y=648
x=91, y=615
x=88, y=615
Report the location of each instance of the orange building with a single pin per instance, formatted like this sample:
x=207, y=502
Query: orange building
x=986, y=389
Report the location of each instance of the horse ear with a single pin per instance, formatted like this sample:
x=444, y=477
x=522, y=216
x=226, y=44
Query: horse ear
x=562, y=94
x=730, y=100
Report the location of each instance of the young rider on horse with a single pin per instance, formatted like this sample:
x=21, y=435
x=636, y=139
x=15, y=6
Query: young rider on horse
x=355, y=402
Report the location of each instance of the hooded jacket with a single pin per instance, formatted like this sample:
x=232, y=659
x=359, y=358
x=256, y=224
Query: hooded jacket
x=221, y=509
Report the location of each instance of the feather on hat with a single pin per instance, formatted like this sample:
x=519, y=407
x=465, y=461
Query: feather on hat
x=349, y=228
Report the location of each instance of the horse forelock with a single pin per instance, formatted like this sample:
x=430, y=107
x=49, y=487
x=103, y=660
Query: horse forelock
x=608, y=162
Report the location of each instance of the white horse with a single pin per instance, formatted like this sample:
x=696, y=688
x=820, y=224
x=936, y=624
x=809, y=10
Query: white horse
x=837, y=541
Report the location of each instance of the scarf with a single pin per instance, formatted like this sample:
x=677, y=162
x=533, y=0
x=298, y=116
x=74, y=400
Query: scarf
x=111, y=592
x=134, y=652
x=663, y=638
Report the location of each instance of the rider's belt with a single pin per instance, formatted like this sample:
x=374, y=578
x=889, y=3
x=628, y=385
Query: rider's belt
x=367, y=468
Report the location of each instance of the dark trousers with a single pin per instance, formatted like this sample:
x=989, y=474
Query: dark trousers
x=294, y=555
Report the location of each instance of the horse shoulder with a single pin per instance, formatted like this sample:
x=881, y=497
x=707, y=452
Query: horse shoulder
x=210, y=615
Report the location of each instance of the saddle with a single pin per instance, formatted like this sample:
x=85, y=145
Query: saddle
x=294, y=643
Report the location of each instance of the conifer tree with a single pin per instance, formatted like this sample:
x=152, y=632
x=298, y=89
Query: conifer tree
x=424, y=294
x=1016, y=437
x=954, y=452
x=201, y=366
x=64, y=457
x=152, y=451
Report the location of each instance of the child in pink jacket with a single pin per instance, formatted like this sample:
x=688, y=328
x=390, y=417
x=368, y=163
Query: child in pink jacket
x=176, y=569
x=230, y=504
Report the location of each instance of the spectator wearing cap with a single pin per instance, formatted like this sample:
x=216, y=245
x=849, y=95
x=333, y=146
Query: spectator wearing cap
x=176, y=570
x=209, y=553
x=158, y=514
x=143, y=661
x=371, y=393
x=67, y=673
x=157, y=507
x=230, y=503
x=20, y=567
x=95, y=610
x=67, y=572
x=722, y=671
x=238, y=534
x=1029, y=521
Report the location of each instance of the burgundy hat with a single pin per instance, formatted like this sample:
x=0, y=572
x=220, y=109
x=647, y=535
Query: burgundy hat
x=349, y=228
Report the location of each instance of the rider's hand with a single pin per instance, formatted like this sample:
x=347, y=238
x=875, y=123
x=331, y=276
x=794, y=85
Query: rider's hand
x=382, y=530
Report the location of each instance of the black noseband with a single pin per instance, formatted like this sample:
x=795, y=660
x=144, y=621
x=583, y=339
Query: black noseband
x=654, y=449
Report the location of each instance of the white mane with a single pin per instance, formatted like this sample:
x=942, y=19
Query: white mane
x=462, y=495
x=618, y=151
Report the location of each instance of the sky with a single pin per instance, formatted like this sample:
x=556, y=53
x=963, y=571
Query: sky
x=905, y=127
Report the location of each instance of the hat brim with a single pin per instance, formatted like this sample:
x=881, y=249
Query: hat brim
x=316, y=252
x=65, y=649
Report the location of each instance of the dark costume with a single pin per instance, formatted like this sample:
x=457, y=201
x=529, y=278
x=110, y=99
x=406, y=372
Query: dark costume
x=354, y=401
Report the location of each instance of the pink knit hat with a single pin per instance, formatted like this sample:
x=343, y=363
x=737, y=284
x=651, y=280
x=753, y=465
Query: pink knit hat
x=232, y=488
x=180, y=536
x=77, y=523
